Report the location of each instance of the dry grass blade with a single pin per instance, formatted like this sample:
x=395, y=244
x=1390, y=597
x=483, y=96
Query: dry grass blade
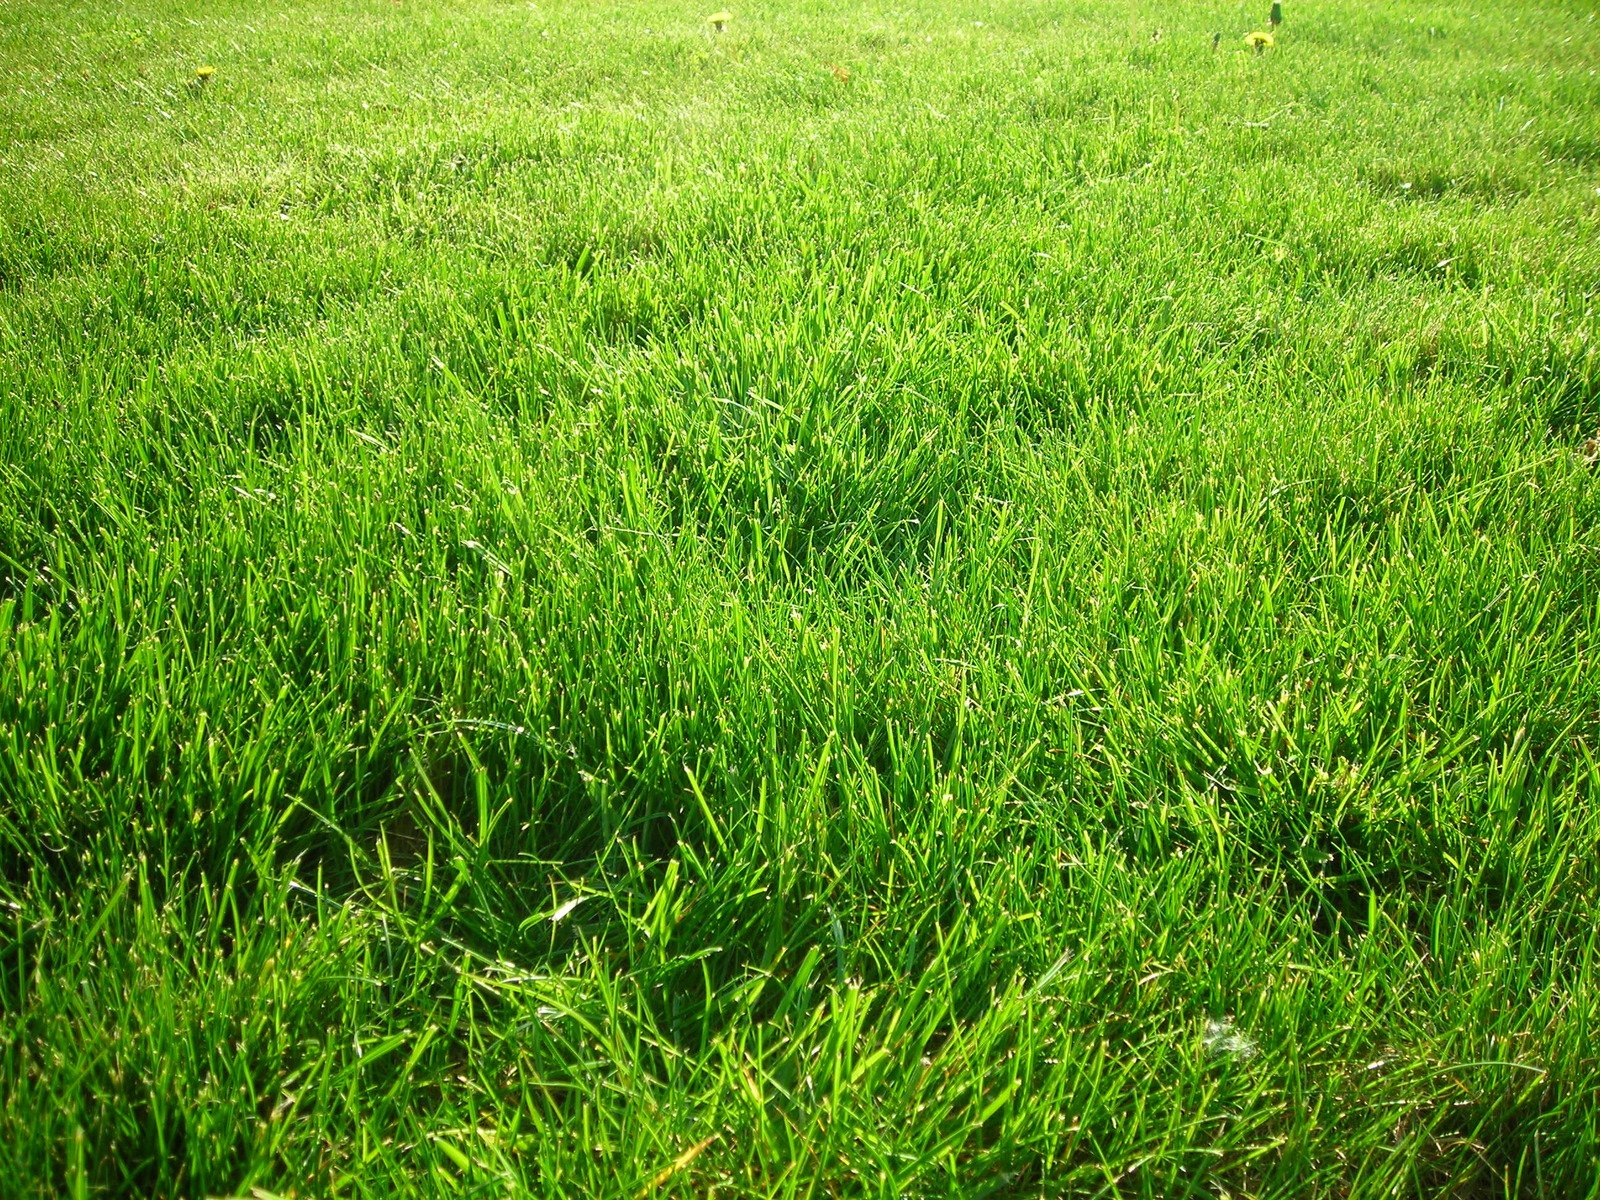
x=677, y=1164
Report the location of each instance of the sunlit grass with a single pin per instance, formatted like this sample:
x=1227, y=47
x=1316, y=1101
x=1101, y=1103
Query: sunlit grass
x=941, y=600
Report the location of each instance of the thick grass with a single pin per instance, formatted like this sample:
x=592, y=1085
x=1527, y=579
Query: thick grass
x=589, y=608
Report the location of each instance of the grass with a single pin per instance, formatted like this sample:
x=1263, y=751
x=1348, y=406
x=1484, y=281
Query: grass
x=951, y=599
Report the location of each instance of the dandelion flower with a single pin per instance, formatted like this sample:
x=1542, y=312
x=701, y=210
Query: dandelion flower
x=719, y=20
x=1258, y=41
x=204, y=74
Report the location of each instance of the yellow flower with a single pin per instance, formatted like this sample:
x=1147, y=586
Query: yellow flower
x=719, y=20
x=1258, y=41
x=204, y=73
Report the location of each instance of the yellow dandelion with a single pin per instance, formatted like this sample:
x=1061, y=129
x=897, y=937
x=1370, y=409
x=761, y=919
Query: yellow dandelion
x=204, y=74
x=719, y=20
x=1258, y=41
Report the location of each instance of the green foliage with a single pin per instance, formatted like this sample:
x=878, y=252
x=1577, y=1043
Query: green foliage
x=960, y=599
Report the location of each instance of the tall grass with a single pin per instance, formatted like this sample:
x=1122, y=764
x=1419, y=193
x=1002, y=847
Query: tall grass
x=589, y=607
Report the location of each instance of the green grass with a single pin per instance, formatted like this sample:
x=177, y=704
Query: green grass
x=587, y=608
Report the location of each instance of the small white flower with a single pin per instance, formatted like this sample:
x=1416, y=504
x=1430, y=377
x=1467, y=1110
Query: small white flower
x=1221, y=1037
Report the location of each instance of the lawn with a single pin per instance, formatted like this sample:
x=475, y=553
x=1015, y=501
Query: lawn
x=937, y=599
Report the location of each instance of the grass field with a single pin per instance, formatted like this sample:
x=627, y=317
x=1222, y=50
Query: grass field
x=948, y=599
